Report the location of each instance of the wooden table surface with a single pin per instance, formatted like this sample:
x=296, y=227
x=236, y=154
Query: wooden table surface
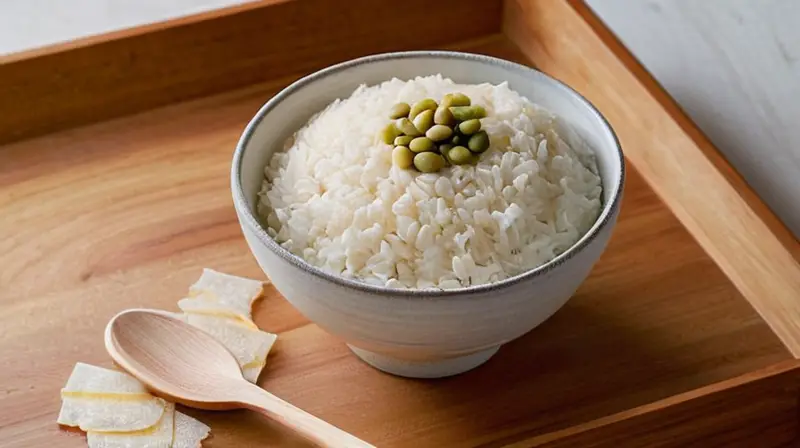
x=126, y=214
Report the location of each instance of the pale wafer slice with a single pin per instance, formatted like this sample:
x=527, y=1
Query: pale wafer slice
x=224, y=295
x=158, y=436
x=111, y=414
x=87, y=380
x=226, y=287
x=210, y=306
x=250, y=347
x=188, y=432
x=252, y=370
x=100, y=399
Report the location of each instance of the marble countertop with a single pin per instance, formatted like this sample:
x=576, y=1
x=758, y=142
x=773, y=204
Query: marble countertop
x=734, y=67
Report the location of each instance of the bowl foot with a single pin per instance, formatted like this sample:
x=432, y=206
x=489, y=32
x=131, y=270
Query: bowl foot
x=424, y=369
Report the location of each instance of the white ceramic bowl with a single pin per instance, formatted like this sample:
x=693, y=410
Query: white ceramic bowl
x=422, y=333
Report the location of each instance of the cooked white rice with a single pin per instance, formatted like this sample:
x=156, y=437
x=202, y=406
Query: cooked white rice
x=334, y=198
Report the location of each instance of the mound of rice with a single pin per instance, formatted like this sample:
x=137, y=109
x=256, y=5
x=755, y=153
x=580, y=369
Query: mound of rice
x=334, y=198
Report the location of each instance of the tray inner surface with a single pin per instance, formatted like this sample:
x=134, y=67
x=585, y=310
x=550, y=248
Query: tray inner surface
x=124, y=214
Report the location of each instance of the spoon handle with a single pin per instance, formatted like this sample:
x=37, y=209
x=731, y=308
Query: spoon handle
x=312, y=428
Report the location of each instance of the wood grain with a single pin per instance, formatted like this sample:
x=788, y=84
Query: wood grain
x=125, y=214
x=734, y=227
x=126, y=72
x=722, y=420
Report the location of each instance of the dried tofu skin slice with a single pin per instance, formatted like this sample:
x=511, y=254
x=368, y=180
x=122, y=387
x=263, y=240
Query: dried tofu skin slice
x=158, y=436
x=223, y=295
x=250, y=347
x=111, y=414
x=252, y=373
x=188, y=432
x=226, y=287
x=88, y=380
x=101, y=399
x=210, y=306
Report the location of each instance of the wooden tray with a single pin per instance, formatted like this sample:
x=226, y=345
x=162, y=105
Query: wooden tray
x=114, y=194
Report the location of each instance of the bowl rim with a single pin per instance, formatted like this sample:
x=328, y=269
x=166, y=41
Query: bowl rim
x=248, y=218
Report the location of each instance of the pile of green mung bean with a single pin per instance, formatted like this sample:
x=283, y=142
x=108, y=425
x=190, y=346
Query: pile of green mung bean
x=429, y=135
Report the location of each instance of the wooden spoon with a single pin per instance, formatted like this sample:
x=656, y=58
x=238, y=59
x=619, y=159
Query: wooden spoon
x=186, y=365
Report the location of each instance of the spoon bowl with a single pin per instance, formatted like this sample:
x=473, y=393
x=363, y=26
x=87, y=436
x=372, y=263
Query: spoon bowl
x=172, y=369
x=186, y=365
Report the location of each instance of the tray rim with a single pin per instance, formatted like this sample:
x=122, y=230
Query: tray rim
x=199, y=55
x=743, y=236
x=134, y=31
x=668, y=411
